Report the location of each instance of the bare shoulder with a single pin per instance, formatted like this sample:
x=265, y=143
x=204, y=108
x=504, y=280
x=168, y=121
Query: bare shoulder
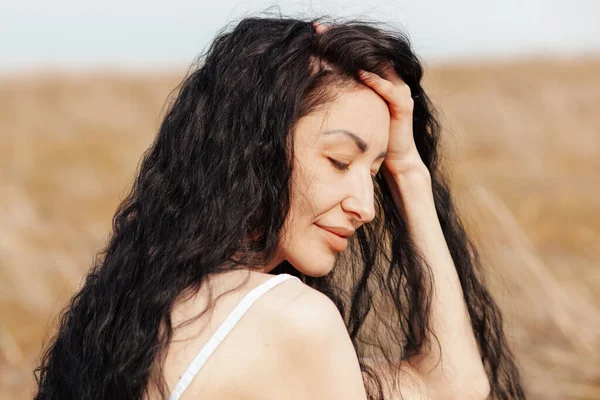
x=294, y=335
x=311, y=313
x=320, y=360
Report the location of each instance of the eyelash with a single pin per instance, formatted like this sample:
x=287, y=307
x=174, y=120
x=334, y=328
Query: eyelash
x=339, y=165
x=344, y=167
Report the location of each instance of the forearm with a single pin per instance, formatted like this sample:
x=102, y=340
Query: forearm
x=460, y=369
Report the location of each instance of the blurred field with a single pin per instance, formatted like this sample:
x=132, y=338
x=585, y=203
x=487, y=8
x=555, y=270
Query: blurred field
x=522, y=142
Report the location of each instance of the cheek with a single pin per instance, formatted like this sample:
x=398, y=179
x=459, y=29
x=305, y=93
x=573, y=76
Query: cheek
x=316, y=189
x=305, y=188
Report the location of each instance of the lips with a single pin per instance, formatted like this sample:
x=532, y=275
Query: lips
x=336, y=241
x=340, y=231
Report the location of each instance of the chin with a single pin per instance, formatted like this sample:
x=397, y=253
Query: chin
x=311, y=253
x=312, y=264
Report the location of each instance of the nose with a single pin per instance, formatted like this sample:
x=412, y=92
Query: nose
x=360, y=200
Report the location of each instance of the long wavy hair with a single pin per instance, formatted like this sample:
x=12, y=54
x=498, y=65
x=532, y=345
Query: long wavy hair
x=216, y=183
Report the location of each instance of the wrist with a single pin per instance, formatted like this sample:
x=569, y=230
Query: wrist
x=416, y=180
x=411, y=190
x=414, y=183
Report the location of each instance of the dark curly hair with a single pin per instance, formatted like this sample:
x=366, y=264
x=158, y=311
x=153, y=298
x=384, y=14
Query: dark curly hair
x=216, y=182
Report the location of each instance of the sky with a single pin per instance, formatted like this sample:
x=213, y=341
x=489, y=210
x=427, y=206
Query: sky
x=151, y=34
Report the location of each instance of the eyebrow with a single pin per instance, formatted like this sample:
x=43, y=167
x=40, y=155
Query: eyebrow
x=361, y=144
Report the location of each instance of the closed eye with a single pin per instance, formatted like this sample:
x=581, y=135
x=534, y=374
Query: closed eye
x=345, y=167
x=339, y=165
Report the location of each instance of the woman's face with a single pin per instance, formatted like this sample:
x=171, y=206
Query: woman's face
x=324, y=195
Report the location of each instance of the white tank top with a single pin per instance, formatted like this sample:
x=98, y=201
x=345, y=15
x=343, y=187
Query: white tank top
x=225, y=327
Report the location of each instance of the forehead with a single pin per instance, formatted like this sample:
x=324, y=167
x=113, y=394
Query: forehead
x=359, y=110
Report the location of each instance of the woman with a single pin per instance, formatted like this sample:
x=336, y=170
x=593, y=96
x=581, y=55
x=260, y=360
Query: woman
x=287, y=187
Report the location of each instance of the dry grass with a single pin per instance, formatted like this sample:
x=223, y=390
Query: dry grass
x=523, y=145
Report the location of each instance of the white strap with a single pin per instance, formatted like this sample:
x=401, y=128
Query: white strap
x=223, y=330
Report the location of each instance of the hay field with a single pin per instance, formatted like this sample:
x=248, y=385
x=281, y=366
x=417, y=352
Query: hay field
x=522, y=141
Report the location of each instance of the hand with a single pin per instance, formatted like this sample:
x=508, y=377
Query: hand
x=402, y=154
x=403, y=157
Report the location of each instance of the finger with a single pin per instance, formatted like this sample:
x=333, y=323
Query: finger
x=390, y=74
x=319, y=27
x=398, y=96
